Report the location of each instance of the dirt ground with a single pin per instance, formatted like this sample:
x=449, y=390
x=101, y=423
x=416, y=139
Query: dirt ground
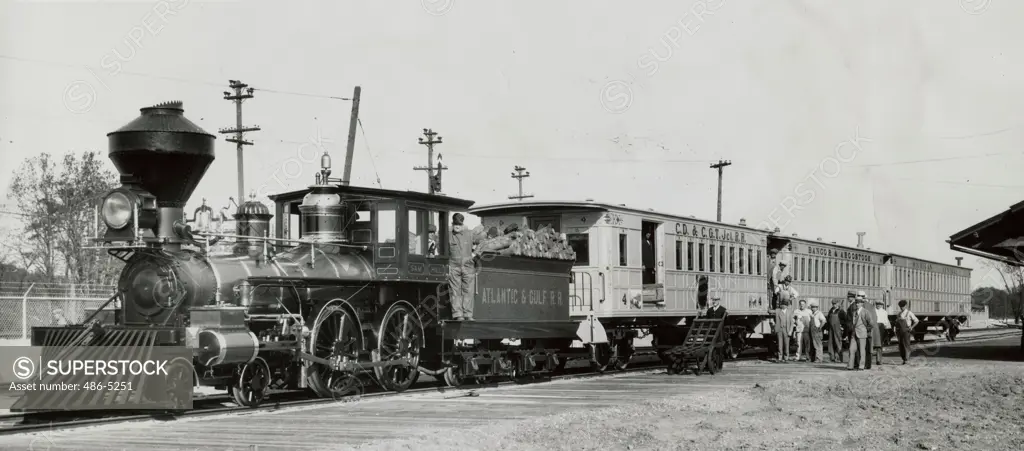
x=927, y=405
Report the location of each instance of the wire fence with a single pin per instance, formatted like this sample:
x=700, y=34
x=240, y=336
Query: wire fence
x=27, y=305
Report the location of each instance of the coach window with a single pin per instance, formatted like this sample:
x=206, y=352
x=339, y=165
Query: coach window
x=623, y=261
x=700, y=257
x=580, y=243
x=742, y=253
x=689, y=256
x=679, y=255
x=711, y=265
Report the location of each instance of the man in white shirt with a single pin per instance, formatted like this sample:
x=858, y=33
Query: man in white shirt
x=779, y=274
x=906, y=321
x=802, y=324
x=883, y=328
x=817, y=326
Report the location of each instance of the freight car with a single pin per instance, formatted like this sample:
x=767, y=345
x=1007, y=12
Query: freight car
x=349, y=293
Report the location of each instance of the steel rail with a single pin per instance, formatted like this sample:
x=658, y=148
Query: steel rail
x=271, y=405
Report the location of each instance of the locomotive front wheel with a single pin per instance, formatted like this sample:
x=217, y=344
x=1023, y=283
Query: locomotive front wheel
x=180, y=382
x=252, y=384
x=400, y=337
x=335, y=336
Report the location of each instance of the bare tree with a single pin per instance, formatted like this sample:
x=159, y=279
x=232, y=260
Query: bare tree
x=1013, y=280
x=58, y=200
x=33, y=190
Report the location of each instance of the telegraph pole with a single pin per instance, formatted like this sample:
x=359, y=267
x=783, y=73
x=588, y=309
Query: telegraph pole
x=721, y=164
x=433, y=182
x=346, y=177
x=520, y=176
x=239, y=130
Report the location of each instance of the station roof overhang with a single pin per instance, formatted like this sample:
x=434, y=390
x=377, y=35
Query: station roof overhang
x=999, y=238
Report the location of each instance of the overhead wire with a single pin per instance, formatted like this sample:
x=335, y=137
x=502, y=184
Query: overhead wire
x=368, y=151
x=164, y=77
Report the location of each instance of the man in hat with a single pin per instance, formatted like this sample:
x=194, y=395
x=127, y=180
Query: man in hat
x=778, y=276
x=716, y=310
x=431, y=240
x=817, y=326
x=873, y=336
x=836, y=322
x=461, y=271
x=787, y=292
x=860, y=330
x=906, y=321
x=783, y=323
x=802, y=324
x=883, y=327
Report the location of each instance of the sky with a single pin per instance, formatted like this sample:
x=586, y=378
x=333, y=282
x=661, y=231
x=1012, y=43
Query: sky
x=898, y=119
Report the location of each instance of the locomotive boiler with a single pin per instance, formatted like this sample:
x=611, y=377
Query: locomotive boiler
x=355, y=295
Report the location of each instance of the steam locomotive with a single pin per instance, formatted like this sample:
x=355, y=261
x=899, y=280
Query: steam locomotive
x=356, y=296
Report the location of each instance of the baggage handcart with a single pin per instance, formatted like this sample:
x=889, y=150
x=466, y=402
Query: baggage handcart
x=703, y=348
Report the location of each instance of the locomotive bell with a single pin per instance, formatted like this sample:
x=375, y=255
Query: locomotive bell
x=161, y=156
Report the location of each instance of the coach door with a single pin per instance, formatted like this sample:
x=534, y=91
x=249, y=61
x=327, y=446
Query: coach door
x=649, y=251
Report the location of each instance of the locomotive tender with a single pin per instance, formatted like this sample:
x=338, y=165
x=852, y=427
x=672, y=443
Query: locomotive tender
x=358, y=293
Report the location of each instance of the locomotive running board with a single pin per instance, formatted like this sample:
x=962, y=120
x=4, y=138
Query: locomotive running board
x=353, y=366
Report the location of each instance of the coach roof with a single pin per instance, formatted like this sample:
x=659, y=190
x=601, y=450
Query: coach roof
x=563, y=205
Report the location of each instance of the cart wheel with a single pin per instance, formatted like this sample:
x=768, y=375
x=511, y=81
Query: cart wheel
x=675, y=365
x=697, y=368
x=720, y=362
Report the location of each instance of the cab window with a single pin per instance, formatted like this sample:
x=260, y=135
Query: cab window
x=417, y=231
x=386, y=226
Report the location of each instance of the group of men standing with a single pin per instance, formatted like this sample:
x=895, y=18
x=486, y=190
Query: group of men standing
x=859, y=325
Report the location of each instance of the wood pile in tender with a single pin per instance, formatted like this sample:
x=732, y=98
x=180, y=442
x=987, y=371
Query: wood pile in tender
x=541, y=243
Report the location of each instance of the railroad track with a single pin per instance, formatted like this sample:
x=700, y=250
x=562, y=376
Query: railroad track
x=645, y=360
x=17, y=423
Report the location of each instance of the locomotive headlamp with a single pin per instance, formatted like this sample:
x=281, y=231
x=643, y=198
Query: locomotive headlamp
x=126, y=209
x=117, y=210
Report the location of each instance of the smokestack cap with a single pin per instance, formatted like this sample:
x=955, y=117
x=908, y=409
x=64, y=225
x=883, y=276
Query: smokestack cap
x=165, y=152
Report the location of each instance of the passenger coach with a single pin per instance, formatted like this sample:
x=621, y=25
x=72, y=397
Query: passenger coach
x=650, y=271
x=642, y=271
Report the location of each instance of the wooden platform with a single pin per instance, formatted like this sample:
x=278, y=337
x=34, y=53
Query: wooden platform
x=310, y=427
